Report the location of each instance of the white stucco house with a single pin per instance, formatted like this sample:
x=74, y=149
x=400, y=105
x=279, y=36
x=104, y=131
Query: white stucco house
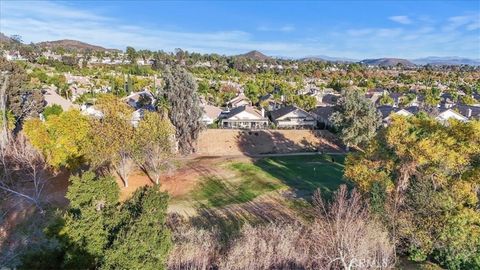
x=292, y=117
x=448, y=114
x=245, y=117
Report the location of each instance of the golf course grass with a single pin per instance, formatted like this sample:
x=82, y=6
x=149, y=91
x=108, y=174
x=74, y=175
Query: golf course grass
x=301, y=174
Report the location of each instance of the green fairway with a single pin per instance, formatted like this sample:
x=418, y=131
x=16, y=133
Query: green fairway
x=306, y=173
x=302, y=174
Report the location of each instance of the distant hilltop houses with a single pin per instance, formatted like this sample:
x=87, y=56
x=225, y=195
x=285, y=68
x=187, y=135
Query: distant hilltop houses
x=252, y=90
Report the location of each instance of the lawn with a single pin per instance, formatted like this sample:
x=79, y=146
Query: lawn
x=305, y=174
x=301, y=174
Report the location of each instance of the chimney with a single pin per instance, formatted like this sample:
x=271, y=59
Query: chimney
x=469, y=113
x=263, y=112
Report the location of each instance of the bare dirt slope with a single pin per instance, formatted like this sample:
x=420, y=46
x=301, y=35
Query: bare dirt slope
x=219, y=142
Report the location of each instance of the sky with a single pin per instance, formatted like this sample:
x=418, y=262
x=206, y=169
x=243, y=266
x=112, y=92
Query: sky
x=347, y=29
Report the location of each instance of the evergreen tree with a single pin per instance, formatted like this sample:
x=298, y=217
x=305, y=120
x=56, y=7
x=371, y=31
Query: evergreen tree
x=143, y=239
x=355, y=118
x=184, y=111
x=21, y=100
x=86, y=233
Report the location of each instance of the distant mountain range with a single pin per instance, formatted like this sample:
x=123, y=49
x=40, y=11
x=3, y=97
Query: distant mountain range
x=387, y=62
x=449, y=60
x=69, y=44
x=328, y=59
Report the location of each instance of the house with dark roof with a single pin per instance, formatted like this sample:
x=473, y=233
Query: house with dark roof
x=468, y=111
x=388, y=111
x=244, y=117
x=292, y=117
x=141, y=100
x=450, y=113
x=322, y=115
x=268, y=102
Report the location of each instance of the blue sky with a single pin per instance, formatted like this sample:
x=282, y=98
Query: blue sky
x=351, y=29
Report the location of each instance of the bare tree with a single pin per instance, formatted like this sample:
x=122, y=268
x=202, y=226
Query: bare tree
x=154, y=145
x=347, y=237
x=124, y=165
x=155, y=162
x=3, y=109
x=24, y=171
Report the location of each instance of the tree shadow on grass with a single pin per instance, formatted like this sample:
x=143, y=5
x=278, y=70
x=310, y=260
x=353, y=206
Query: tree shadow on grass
x=303, y=174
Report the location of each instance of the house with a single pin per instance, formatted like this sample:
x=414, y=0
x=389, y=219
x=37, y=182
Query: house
x=292, y=117
x=269, y=102
x=329, y=99
x=14, y=56
x=52, y=98
x=387, y=111
x=375, y=95
x=210, y=114
x=244, y=117
x=447, y=101
x=448, y=114
x=238, y=101
x=89, y=110
x=396, y=97
x=143, y=99
x=468, y=111
x=322, y=115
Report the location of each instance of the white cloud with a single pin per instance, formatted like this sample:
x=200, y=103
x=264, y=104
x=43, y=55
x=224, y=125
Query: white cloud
x=469, y=21
x=40, y=21
x=402, y=19
x=285, y=28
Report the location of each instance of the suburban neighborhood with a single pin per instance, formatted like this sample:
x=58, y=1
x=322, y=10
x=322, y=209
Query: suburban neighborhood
x=212, y=135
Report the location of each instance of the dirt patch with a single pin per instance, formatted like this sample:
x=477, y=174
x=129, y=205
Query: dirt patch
x=179, y=182
x=223, y=142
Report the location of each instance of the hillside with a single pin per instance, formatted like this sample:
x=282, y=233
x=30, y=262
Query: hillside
x=4, y=38
x=453, y=60
x=328, y=59
x=69, y=44
x=255, y=55
x=387, y=62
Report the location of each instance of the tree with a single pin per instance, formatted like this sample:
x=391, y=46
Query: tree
x=143, y=239
x=386, y=100
x=22, y=102
x=52, y=110
x=355, y=118
x=87, y=225
x=110, y=140
x=153, y=145
x=432, y=96
x=60, y=138
x=252, y=91
x=99, y=232
x=184, y=111
x=23, y=171
x=346, y=236
x=131, y=55
x=430, y=173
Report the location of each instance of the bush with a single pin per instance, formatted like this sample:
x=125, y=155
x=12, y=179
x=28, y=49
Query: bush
x=52, y=110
